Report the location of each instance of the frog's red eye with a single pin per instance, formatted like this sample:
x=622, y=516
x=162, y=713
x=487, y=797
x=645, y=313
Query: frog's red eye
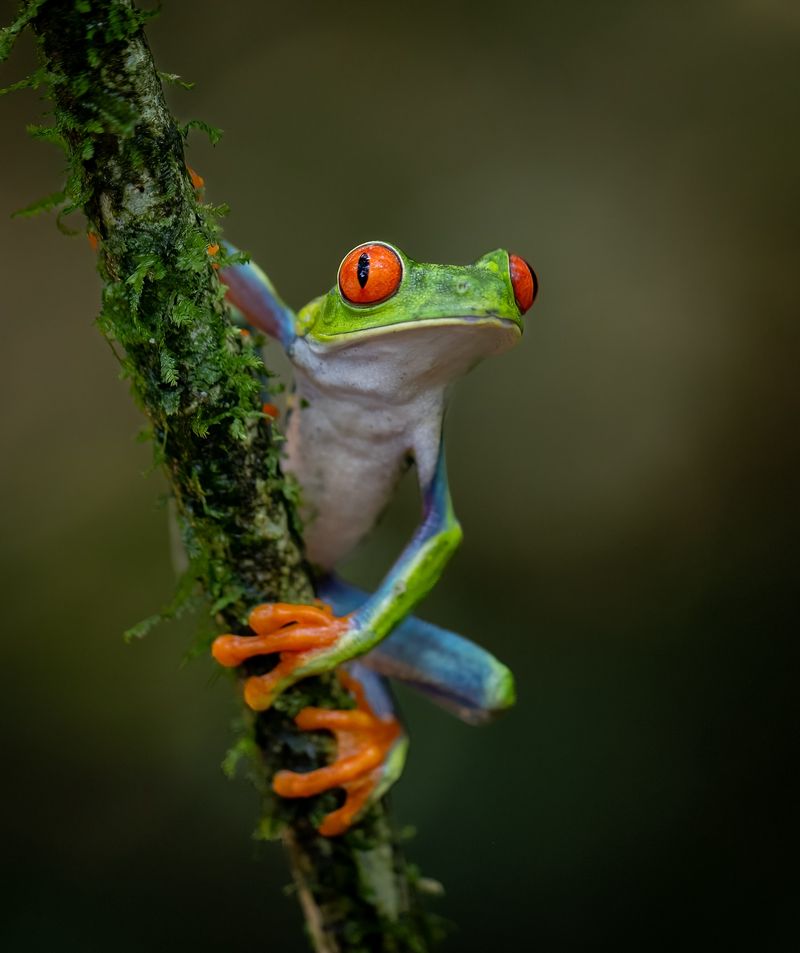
x=370, y=273
x=523, y=281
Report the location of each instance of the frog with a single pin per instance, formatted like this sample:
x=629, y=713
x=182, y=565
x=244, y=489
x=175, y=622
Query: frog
x=373, y=361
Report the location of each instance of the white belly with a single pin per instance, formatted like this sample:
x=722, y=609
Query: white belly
x=347, y=457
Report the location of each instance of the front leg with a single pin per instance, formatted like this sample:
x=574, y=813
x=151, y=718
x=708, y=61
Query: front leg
x=310, y=640
x=252, y=293
x=420, y=565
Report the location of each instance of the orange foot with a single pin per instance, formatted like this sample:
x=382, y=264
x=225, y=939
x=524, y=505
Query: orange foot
x=301, y=634
x=364, y=765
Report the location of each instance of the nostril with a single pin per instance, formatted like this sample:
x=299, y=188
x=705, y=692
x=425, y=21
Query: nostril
x=523, y=281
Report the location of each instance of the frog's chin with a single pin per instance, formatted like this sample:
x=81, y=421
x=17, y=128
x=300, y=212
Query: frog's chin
x=399, y=362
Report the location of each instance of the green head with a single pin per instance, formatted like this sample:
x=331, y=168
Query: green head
x=381, y=290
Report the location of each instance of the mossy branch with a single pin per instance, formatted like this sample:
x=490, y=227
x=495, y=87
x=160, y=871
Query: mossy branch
x=201, y=384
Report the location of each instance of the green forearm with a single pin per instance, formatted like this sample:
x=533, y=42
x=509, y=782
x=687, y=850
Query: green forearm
x=410, y=580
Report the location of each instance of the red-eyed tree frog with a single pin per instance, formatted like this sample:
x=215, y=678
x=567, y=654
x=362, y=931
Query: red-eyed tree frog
x=372, y=361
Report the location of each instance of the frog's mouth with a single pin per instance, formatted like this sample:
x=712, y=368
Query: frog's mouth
x=423, y=324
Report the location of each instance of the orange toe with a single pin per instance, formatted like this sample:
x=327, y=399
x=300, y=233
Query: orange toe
x=260, y=691
x=336, y=775
x=340, y=821
x=232, y=650
x=314, y=719
x=269, y=616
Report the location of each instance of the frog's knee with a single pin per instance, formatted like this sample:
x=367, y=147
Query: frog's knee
x=501, y=691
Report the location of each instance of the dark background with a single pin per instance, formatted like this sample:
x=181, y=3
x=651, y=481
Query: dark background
x=624, y=479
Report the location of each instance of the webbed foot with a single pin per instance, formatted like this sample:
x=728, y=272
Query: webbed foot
x=371, y=751
x=307, y=638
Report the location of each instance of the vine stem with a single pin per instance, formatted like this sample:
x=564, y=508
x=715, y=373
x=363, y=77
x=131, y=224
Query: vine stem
x=200, y=384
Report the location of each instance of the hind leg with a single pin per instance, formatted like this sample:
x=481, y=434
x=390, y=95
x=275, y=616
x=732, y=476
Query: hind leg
x=455, y=673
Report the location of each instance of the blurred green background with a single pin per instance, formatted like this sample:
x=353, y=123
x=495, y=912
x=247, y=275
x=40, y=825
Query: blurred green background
x=626, y=478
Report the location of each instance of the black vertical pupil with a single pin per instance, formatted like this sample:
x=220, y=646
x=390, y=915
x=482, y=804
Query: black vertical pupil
x=362, y=270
